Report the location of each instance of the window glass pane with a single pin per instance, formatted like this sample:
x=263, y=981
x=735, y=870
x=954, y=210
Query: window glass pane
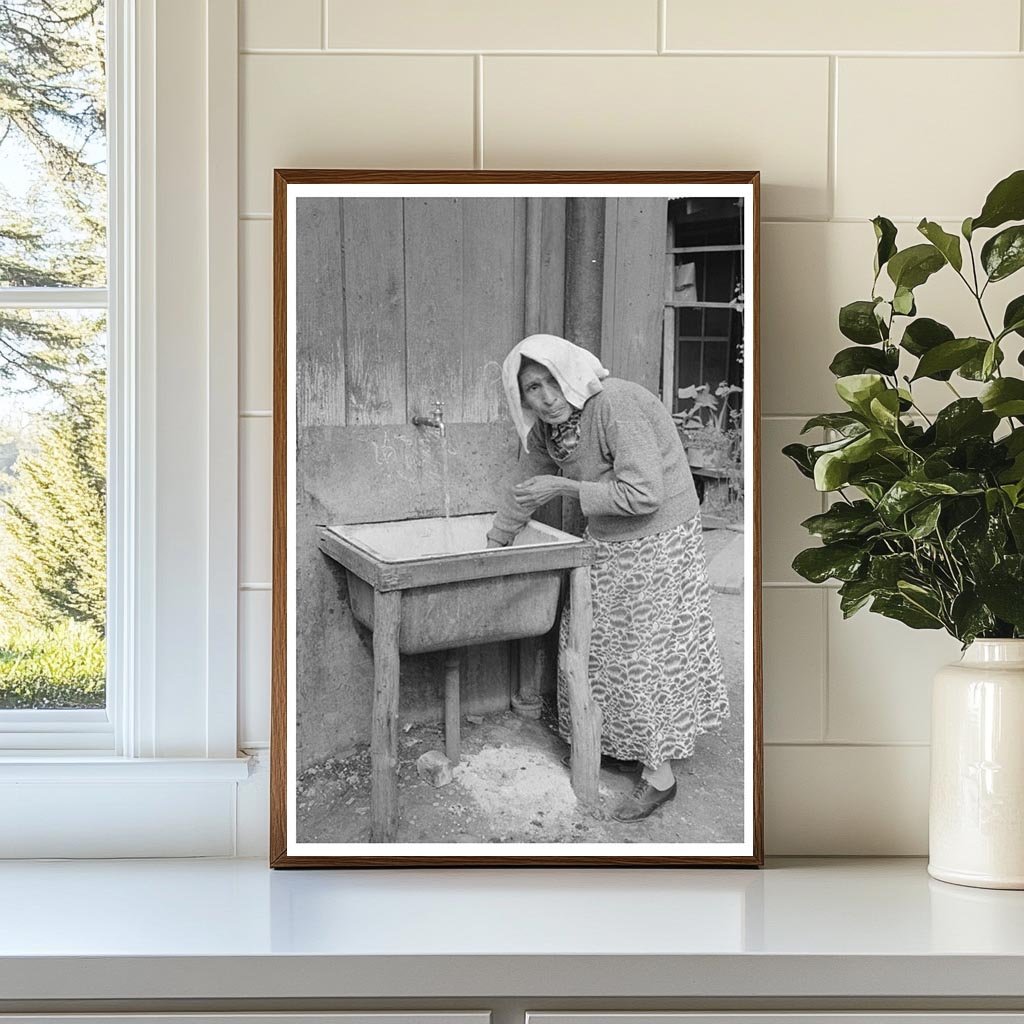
x=53, y=152
x=52, y=509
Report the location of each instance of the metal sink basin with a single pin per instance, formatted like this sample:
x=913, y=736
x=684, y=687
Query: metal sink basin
x=455, y=592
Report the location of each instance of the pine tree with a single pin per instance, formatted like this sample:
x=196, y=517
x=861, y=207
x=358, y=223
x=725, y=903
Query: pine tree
x=52, y=234
x=53, y=117
x=53, y=522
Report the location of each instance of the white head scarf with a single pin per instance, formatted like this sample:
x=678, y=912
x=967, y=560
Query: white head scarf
x=578, y=372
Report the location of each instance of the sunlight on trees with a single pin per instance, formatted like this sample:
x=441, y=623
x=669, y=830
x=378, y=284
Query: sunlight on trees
x=52, y=365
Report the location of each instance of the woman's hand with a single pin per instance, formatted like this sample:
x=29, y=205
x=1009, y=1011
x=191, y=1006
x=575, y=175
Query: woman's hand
x=538, y=490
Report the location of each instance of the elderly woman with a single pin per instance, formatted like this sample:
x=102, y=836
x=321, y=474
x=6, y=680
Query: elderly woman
x=655, y=668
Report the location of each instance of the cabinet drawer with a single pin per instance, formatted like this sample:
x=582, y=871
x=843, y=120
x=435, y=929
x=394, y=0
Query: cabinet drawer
x=356, y=1017
x=787, y=1017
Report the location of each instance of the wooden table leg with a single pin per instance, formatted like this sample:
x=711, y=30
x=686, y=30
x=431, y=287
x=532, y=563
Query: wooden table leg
x=586, y=715
x=452, y=712
x=526, y=700
x=387, y=617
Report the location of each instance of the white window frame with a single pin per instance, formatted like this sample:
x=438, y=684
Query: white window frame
x=157, y=773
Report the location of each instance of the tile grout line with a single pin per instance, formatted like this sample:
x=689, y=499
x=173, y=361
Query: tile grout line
x=831, y=172
x=478, y=111
x=340, y=51
x=1020, y=21
x=852, y=744
x=663, y=26
x=323, y=24
x=824, y=722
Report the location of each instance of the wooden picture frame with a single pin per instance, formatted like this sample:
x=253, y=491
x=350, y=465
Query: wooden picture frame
x=398, y=290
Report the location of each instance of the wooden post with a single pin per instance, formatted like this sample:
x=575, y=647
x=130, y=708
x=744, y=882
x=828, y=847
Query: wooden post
x=526, y=700
x=668, y=328
x=452, y=714
x=584, y=287
x=586, y=715
x=387, y=617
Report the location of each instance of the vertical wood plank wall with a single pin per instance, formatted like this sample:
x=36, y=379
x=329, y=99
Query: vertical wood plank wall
x=405, y=302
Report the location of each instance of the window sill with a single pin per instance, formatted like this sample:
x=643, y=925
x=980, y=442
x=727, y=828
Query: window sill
x=77, y=766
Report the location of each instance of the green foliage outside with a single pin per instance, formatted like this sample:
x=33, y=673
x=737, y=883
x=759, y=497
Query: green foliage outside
x=52, y=365
x=928, y=522
x=60, y=667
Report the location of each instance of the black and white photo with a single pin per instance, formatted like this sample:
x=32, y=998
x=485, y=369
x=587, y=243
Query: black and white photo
x=516, y=615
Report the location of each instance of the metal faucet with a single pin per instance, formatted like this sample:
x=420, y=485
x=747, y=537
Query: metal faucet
x=435, y=419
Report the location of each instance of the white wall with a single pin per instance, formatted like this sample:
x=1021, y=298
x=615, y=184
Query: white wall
x=906, y=109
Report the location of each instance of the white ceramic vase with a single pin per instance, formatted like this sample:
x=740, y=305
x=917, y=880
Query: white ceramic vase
x=976, y=812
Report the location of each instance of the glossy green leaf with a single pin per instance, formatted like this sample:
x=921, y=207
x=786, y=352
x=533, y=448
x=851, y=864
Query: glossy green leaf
x=1004, y=397
x=885, y=237
x=949, y=356
x=799, y=455
x=833, y=420
x=854, y=594
x=1005, y=202
x=925, y=518
x=843, y=521
x=899, y=608
x=975, y=368
x=1013, y=317
x=947, y=244
x=858, y=389
x=971, y=616
x=911, y=267
x=903, y=302
x=904, y=495
x=887, y=570
x=991, y=360
x=839, y=561
x=964, y=418
x=850, y=361
x=831, y=471
x=1003, y=254
x=924, y=334
x=857, y=321
x=965, y=228
x=1004, y=596
x=885, y=409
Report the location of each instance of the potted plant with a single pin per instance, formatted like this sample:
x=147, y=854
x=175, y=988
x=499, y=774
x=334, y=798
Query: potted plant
x=705, y=426
x=927, y=521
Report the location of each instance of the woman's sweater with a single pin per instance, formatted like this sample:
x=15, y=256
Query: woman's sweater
x=633, y=473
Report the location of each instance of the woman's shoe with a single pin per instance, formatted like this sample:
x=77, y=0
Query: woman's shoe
x=611, y=764
x=643, y=801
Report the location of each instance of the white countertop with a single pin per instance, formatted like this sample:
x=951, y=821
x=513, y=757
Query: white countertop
x=235, y=929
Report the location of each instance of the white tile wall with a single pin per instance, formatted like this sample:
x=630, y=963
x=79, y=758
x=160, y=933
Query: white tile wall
x=261, y=25
x=471, y=25
x=255, y=443
x=873, y=25
x=256, y=307
x=331, y=110
x=944, y=105
x=254, y=610
x=919, y=122
x=697, y=113
x=794, y=664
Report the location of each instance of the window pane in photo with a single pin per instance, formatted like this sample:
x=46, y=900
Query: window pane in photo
x=53, y=150
x=52, y=509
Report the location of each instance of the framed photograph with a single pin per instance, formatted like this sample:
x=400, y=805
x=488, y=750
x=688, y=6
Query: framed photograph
x=516, y=586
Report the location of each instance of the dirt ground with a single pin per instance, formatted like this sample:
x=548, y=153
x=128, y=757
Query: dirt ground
x=510, y=785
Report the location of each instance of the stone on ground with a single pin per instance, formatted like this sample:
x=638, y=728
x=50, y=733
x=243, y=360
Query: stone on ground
x=435, y=768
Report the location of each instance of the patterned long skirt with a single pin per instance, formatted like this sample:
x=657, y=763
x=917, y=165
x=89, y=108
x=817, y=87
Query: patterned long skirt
x=655, y=668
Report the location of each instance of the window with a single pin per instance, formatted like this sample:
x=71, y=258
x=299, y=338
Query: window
x=53, y=370
x=155, y=772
